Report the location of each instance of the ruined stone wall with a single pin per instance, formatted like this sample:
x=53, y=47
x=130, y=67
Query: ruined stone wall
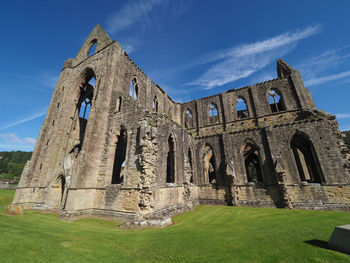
x=154, y=123
x=290, y=88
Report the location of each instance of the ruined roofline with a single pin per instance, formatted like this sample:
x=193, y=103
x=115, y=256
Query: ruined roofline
x=283, y=69
x=233, y=90
x=141, y=71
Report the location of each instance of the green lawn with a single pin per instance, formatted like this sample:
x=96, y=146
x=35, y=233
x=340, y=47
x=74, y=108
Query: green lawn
x=209, y=234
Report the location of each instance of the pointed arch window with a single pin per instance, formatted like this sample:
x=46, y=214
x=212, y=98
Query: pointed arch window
x=85, y=108
x=188, y=119
x=241, y=108
x=85, y=102
x=134, y=88
x=306, y=159
x=155, y=104
x=86, y=94
x=213, y=113
x=276, y=101
x=252, y=163
x=170, y=171
x=208, y=159
x=119, y=157
x=92, y=49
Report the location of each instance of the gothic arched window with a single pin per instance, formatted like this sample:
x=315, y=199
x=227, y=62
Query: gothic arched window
x=188, y=119
x=275, y=101
x=85, y=102
x=213, y=113
x=208, y=159
x=252, y=163
x=306, y=159
x=134, y=89
x=92, y=48
x=155, y=103
x=170, y=171
x=241, y=109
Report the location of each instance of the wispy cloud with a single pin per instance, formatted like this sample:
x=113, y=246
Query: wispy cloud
x=11, y=141
x=321, y=80
x=43, y=79
x=128, y=48
x=131, y=13
x=342, y=115
x=29, y=118
x=47, y=79
x=243, y=60
x=265, y=76
x=315, y=70
x=13, y=138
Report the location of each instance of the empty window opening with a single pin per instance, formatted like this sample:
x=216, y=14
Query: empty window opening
x=209, y=165
x=170, y=171
x=58, y=105
x=155, y=104
x=252, y=164
x=118, y=105
x=92, y=48
x=213, y=113
x=191, y=165
x=41, y=166
x=53, y=122
x=188, y=119
x=275, y=101
x=85, y=102
x=241, y=109
x=47, y=143
x=85, y=108
x=134, y=89
x=306, y=160
x=213, y=110
x=119, y=157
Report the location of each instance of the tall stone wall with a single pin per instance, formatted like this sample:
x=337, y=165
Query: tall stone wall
x=178, y=155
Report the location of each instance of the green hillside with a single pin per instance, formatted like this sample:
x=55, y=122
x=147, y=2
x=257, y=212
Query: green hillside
x=12, y=164
x=208, y=234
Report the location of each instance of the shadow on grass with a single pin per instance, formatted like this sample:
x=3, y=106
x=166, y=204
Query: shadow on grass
x=317, y=243
x=323, y=244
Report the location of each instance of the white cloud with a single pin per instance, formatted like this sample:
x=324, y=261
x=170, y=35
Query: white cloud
x=43, y=79
x=48, y=80
x=128, y=48
x=314, y=66
x=243, y=60
x=12, y=140
x=131, y=13
x=342, y=115
x=321, y=80
x=29, y=118
x=263, y=77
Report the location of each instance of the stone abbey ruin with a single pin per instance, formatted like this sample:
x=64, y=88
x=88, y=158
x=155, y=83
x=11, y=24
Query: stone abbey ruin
x=115, y=144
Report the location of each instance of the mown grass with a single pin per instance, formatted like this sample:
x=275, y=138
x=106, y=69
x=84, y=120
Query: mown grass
x=209, y=234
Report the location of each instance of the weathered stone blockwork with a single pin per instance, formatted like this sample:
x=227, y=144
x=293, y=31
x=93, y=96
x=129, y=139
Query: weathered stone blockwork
x=120, y=146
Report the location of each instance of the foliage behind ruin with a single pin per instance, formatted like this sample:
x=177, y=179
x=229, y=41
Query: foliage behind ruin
x=347, y=138
x=12, y=164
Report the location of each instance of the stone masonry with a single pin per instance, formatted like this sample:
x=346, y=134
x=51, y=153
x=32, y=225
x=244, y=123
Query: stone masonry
x=115, y=144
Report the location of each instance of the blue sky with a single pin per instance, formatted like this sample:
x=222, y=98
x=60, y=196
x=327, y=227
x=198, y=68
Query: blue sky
x=190, y=48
